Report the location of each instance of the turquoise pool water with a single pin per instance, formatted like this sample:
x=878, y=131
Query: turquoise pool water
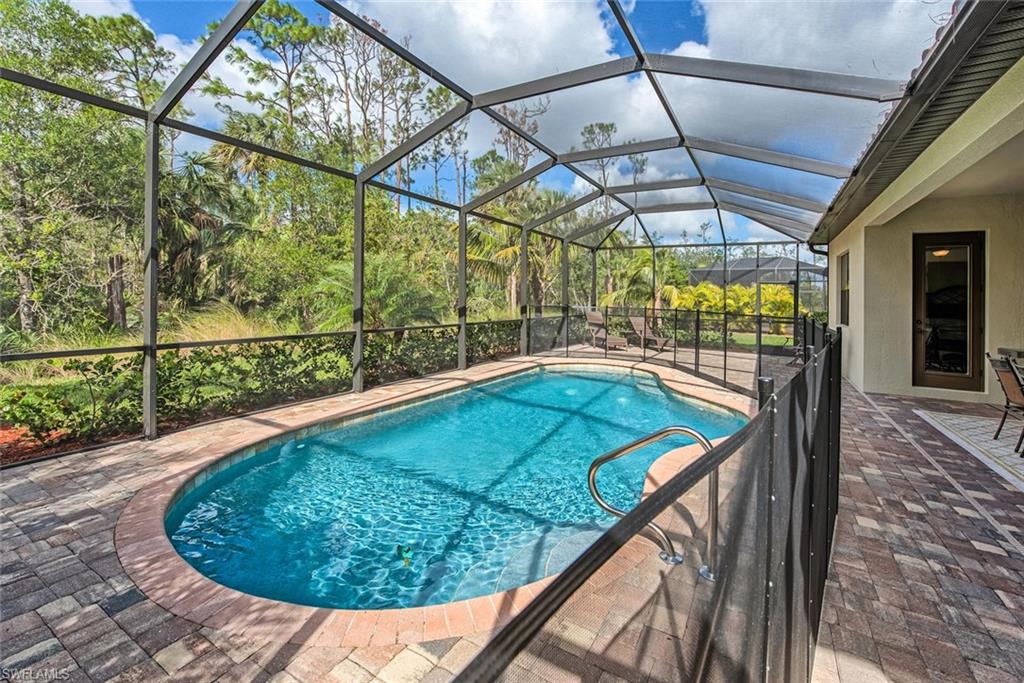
x=486, y=486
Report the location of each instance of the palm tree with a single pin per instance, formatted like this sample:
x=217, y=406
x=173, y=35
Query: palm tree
x=635, y=279
x=394, y=295
x=250, y=165
x=494, y=256
x=203, y=211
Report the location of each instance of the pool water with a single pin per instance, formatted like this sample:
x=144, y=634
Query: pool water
x=487, y=488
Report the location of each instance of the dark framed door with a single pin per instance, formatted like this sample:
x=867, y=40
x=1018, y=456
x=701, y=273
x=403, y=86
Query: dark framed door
x=949, y=310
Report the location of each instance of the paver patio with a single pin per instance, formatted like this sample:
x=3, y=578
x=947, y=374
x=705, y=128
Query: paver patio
x=927, y=579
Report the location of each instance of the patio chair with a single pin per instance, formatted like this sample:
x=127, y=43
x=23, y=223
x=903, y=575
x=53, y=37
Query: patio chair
x=1013, y=389
x=647, y=333
x=599, y=332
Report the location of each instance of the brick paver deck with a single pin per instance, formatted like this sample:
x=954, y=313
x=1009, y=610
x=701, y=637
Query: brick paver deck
x=927, y=579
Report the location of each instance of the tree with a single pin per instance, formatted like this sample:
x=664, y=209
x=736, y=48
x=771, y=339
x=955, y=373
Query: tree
x=523, y=115
x=394, y=295
x=599, y=136
x=137, y=67
x=65, y=166
x=280, y=86
x=250, y=166
x=202, y=213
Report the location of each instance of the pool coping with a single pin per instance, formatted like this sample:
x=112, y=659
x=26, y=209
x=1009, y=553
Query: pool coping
x=164, y=576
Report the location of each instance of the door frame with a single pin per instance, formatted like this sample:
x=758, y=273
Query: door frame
x=975, y=381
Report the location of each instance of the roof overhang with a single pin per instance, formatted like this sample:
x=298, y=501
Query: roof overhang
x=983, y=41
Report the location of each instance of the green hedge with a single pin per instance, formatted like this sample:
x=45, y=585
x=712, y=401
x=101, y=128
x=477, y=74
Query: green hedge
x=90, y=400
x=391, y=356
x=492, y=340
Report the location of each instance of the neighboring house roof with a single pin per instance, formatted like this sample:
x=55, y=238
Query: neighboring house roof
x=981, y=43
x=747, y=271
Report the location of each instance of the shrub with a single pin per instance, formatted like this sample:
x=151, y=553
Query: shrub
x=97, y=399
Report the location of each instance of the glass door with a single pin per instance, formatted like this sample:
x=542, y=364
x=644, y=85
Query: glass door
x=949, y=310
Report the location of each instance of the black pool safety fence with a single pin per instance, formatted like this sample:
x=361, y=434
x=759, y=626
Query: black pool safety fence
x=753, y=519
x=730, y=349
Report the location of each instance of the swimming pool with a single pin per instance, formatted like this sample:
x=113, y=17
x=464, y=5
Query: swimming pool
x=464, y=495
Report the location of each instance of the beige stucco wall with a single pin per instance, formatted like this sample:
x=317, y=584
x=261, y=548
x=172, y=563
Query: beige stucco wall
x=888, y=285
x=852, y=242
x=878, y=342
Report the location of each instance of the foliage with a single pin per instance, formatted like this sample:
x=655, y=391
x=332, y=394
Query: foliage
x=93, y=399
x=391, y=356
x=492, y=340
x=103, y=399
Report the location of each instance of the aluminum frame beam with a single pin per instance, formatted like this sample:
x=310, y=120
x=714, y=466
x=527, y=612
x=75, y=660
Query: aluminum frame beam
x=767, y=195
x=715, y=245
x=204, y=57
x=394, y=46
x=461, y=303
x=675, y=207
x=416, y=140
x=524, y=291
x=150, y=283
x=619, y=150
x=36, y=83
x=358, y=258
x=795, y=230
x=561, y=81
x=767, y=156
x=564, y=209
x=808, y=224
x=524, y=177
x=583, y=232
x=612, y=232
x=786, y=78
x=640, y=222
x=654, y=185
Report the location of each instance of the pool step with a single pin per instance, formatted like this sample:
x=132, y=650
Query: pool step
x=569, y=548
x=526, y=561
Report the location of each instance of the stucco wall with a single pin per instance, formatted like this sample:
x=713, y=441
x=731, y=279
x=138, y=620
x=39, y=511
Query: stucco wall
x=849, y=241
x=888, y=284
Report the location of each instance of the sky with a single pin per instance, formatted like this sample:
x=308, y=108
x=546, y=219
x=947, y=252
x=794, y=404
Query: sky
x=484, y=45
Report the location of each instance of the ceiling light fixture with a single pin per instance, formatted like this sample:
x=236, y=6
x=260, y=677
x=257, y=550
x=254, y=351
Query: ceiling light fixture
x=940, y=253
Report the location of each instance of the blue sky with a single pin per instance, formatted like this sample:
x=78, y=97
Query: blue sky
x=187, y=20
x=485, y=45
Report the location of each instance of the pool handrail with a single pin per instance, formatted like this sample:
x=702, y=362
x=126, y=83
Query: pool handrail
x=668, y=553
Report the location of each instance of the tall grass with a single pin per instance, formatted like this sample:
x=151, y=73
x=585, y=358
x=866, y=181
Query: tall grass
x=216, y=321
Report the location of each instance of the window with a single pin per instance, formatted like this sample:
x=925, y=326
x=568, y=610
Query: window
x=844, y=289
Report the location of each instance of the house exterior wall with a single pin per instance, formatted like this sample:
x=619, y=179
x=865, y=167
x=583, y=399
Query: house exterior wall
x=852, y=242
x=877, y=344
x=888, y=284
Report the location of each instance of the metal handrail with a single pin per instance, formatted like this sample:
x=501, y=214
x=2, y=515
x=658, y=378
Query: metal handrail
x=668, y=552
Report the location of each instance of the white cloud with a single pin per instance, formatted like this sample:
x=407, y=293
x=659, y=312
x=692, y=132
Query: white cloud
x=488, y=45
x=104, y=8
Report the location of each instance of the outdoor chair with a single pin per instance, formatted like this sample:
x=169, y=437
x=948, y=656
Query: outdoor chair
x=599, y=332
x=647, y=333
x=1013, y=389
